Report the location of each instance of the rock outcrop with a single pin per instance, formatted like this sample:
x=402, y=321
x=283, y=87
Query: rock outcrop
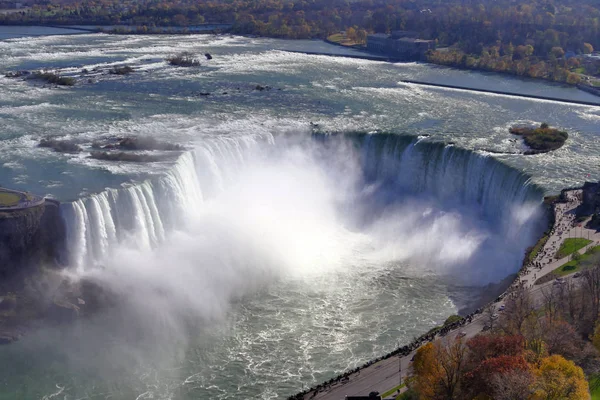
x=29, y=237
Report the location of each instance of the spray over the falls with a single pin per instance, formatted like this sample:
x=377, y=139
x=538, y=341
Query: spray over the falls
x=314, y=202
x=268, y=254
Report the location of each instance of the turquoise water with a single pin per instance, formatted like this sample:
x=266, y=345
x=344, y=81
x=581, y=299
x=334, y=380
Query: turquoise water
x=287, y=265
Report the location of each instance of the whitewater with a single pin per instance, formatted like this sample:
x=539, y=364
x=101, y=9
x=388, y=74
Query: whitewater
x=304, y=230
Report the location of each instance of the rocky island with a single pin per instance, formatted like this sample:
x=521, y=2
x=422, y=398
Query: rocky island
x=542, y=139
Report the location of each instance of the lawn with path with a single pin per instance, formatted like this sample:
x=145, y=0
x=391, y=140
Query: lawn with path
x=570, y=246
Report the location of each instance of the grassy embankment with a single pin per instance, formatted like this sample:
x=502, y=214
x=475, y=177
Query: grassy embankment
x=570, y=246
x=392, y=391
x=594, y=383
x=577, y=264
x=9, y=199
x=343, y=40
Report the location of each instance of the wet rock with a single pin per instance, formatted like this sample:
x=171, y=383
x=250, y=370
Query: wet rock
x=128, y=157
x=60, y=146
x=142, y=143
x=208, y=56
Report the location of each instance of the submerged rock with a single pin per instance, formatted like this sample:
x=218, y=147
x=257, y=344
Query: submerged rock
x=147, y=143
x=128, y=157
x=61, y=146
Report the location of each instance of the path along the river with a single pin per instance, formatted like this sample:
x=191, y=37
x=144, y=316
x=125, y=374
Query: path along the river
x=387, y=374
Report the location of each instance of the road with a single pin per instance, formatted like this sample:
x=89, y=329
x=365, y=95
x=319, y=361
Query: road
x=386, y=374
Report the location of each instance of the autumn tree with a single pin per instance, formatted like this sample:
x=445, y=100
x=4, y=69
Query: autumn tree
x=438, y=369
x=560, y=379
x=588, y=48
x=557, y=52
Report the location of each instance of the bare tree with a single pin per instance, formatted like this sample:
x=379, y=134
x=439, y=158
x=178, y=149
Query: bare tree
x=519, y=309
x=512, y=385
x=591, y=279
x=551, y=301
x=451, y=355
x=490, y=315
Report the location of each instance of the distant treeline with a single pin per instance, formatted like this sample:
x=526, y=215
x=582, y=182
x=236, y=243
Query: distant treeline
x=497, y=34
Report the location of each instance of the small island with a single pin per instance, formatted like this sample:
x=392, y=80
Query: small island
x=542, y=139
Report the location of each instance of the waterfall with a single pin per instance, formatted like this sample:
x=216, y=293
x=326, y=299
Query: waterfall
x=446, y=172
x=143, y=213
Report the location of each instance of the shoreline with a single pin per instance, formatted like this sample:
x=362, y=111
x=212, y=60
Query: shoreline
x=391, y=370
x=222, y=29
x=499, y=92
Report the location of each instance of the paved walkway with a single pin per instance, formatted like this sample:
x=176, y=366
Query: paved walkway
x=386, y=374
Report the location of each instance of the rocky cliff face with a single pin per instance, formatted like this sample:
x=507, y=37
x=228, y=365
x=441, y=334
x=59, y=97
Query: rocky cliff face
x=30, y=237
x=32, y=241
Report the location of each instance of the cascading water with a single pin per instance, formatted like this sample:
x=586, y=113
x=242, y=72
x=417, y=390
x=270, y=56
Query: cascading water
x=320, y=252
x=142, y=214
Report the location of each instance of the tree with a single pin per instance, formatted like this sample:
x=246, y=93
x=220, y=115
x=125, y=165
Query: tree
x=490, y=315
x=557, y=52
x=483, y=347
x=519, y=309
x=512, y=385
x=438, y=370
x=588, y=48
x=596, y=337
x=560, y=379
x=480, y=380
x=351, y=34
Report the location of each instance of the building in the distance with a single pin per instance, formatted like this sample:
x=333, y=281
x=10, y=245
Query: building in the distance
x=401, y=45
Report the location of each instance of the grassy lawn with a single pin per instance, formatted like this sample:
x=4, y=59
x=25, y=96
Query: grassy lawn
x=336, y=38
x=392, y=391
x=341, y=39
x=9, y=199
x=536, y=249
x=571, y=245
x=595, y=387
x=575, y=265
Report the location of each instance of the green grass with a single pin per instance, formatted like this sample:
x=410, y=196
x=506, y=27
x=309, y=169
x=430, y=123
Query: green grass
x=575, y=265
x=537, y=248
x=570, y=246
x=452, y=319
x=336, y=38
x=9, y=199
x=594, y=383
x=392, y=391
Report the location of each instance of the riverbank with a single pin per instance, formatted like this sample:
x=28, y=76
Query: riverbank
x=387, y=372
x=500, y=92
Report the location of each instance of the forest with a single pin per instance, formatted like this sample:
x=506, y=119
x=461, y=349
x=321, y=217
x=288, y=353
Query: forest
x=532, y=351
x=536, y=38
x=531, y=37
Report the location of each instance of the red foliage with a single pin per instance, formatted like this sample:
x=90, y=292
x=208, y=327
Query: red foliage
x=479, y=380
x=483, y=347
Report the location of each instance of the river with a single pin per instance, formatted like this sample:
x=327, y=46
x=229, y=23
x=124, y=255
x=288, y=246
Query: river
x=270, y=255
